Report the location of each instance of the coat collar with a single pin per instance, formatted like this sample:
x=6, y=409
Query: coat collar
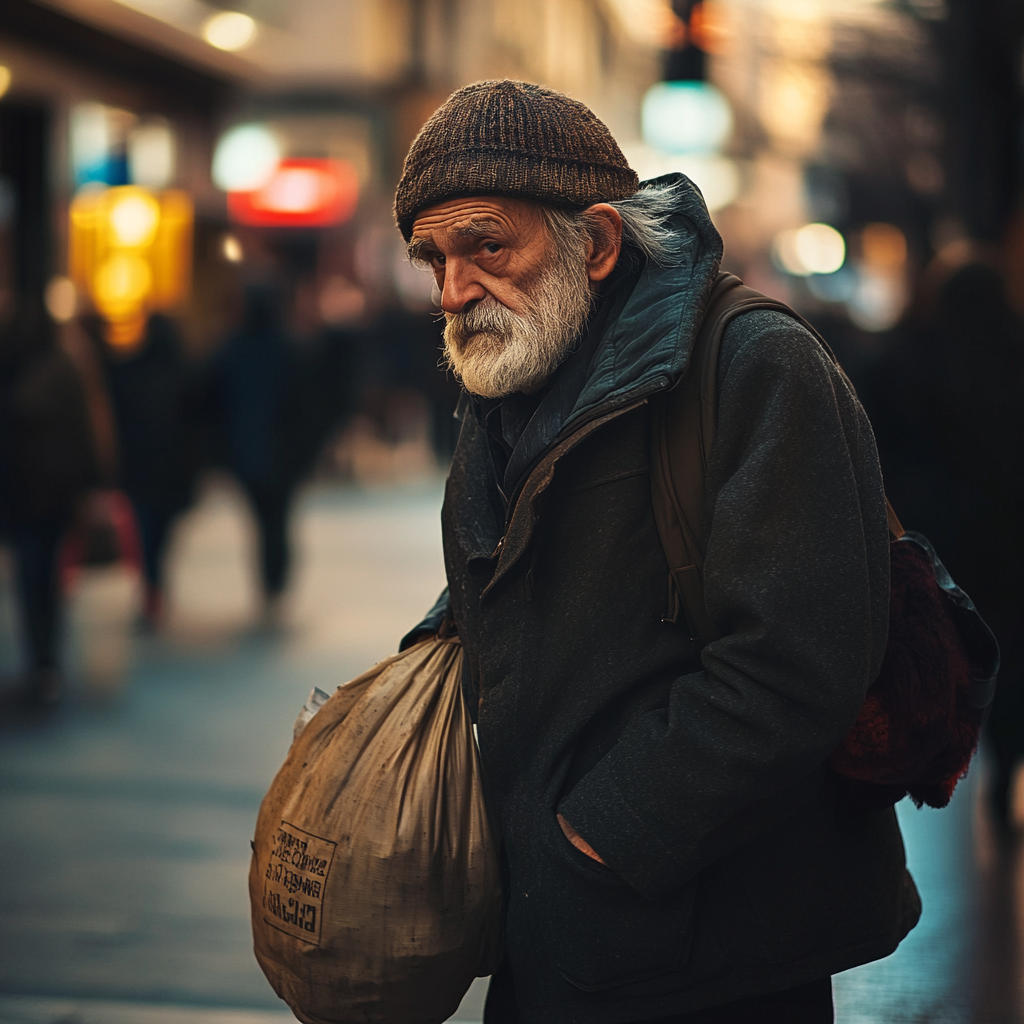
x=637, y=342
x=647, y=346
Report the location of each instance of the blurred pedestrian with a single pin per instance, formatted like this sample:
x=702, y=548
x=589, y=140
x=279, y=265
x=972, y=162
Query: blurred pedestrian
x=412, y=339
x=47, y=463
x=327, y=365
x=254, y=380
x=971, y=371
x=152, y=394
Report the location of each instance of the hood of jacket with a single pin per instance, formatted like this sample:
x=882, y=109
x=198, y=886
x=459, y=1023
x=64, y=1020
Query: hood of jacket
x=646, y=347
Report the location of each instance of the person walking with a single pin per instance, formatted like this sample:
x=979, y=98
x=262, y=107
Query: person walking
x=47, y=463
x=159, y=447
x=253, y=378
x=676, y=846
x=969, y=375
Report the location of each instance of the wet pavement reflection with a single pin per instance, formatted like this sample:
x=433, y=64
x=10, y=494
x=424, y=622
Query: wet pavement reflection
x=128, y=811
x=963, y=962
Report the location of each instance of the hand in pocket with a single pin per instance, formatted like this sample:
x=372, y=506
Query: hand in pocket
x=578, y=841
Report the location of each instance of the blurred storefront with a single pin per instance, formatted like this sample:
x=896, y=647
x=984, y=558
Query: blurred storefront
x=283, y=126
x=84, y=112
x=843, y=146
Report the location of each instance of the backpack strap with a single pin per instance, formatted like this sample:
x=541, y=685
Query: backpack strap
x=683, y=425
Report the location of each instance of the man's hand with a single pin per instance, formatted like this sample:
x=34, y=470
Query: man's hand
x=578, y=841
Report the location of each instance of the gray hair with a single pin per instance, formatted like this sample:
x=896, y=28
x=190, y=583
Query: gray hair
x=644, y=223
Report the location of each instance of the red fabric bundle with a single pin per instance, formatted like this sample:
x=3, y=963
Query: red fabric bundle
x=918, y=729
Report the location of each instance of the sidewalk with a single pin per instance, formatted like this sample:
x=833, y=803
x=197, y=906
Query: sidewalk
x=128, y=814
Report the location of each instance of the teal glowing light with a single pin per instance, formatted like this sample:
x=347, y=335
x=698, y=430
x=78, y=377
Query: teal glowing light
x=685, y=117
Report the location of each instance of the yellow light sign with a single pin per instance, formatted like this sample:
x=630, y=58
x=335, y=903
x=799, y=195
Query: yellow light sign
x=133, y=221
x=122, y=284
x=131, y=252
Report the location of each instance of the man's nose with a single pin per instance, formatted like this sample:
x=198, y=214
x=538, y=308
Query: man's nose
x=460, y=288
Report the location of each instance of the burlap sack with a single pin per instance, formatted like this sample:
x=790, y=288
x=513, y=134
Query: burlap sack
x=374, y=881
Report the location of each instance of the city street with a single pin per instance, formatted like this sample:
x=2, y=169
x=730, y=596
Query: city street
x=128, y=813
x=255, y=257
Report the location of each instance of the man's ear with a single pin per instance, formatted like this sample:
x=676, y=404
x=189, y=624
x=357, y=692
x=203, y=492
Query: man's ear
x=605, y=240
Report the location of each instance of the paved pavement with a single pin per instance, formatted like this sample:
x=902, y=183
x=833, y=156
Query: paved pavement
x=127, y=815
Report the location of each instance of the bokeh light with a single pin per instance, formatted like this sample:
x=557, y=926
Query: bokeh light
x=131, y=252
x=231, y=249
x=686, y=117
x=152, y=154
x=61, y=298
x=303, y=192
x=884, y=246
x=794, y=100
x=229, y=30
x=134, y=218
x=812, y=249
x=878, y=301
x=120, y=284
x=245, y=158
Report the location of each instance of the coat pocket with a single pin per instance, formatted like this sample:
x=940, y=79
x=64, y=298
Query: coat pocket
x=601, y=933
x=820, y=881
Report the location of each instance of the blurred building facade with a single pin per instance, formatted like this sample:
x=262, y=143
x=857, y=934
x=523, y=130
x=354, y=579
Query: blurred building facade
x=349, y=81
x=898, y=124
x=338, y=89
x=864, y=115
x=843, y=145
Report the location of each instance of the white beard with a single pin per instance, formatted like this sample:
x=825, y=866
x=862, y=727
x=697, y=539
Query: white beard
x=495, y=352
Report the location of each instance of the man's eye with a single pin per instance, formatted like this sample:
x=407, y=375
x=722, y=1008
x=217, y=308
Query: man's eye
x=438, y=260
x=492, y=247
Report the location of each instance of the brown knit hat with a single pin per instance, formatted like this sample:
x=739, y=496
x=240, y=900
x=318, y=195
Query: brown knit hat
x=512, y=138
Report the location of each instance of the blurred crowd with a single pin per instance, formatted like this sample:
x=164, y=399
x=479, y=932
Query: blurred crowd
x=102, y=448
x=943, y=390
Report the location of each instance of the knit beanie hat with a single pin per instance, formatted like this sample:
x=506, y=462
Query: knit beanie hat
x=512, y=138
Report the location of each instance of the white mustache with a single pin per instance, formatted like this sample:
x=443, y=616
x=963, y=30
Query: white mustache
x=488, y=315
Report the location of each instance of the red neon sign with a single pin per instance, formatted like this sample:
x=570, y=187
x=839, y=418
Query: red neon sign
x=304, y=192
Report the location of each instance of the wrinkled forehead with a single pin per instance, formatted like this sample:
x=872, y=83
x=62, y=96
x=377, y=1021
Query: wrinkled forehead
x=474, y=216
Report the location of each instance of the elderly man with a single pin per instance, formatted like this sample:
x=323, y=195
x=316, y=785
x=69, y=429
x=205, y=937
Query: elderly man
x=675, y=846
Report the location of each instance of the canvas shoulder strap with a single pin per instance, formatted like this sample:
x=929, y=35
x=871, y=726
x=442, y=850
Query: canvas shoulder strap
x=682, y=433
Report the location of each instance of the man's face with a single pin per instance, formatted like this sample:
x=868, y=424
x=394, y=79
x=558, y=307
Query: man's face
x=515, y=297
x=483, y=247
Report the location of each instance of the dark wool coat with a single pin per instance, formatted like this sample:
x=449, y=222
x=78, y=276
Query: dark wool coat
x=700, y=777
